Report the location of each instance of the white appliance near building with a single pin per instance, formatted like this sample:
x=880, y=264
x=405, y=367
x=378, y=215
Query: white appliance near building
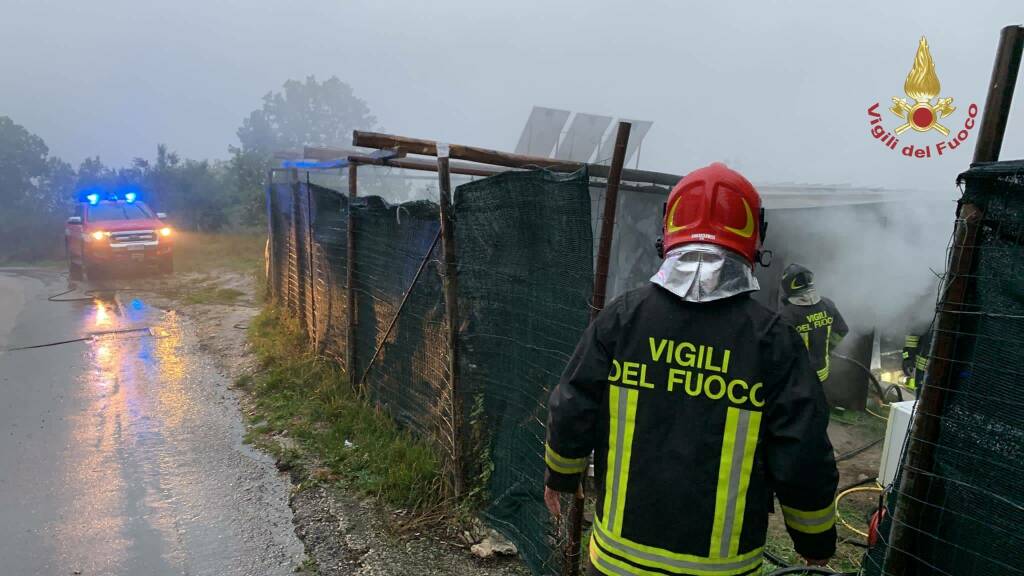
x=900, y=415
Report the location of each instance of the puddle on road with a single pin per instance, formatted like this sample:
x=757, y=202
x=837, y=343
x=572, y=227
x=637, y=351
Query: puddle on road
x=160, y=484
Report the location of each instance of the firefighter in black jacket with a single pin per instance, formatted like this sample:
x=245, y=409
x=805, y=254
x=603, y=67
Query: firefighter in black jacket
x=816, y=319
x=915, y=358
x=698, y=403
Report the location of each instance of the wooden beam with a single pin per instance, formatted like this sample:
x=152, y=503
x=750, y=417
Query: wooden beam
x=498, y=158
x=427, y=166
x=451, y=308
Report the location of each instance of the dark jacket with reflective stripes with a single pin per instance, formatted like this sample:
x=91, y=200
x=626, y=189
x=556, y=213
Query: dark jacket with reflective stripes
x=821, y=327
x=695, y=414
x=915, y=357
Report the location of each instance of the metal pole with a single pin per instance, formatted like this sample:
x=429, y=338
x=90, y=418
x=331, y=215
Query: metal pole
x=918, y=462
x=604, y=250
x=294, y=244
x=271, y=264
x=451, y=309
x=1000, y=94
x=401, y=306
x=611, y=197
x=310, y=270
x=350, y=295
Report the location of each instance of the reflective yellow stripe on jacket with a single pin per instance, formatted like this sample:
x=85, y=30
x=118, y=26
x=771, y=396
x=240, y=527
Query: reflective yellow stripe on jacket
x=607, y=550
x=563, y=465
x=608, y=547
x=824, y=372
x=810, y=521
x=739, y=442
x=622, y=408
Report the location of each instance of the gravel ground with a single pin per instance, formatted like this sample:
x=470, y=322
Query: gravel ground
x=347, y=535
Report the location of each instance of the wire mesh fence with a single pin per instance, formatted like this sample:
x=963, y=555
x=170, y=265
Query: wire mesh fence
x=958, y=504
x=524, y=253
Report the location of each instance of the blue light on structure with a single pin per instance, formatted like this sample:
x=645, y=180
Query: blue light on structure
x=129, y=197
x=93, y=198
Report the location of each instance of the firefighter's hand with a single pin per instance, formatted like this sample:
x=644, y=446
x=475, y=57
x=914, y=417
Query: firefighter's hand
x=813, y=562
x=551, y=500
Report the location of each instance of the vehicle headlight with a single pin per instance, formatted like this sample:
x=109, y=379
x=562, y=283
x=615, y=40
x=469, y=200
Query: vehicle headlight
x=165, y=231
x=99, y=235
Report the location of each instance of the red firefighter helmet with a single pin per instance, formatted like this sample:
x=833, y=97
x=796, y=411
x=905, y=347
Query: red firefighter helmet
x=715, y=205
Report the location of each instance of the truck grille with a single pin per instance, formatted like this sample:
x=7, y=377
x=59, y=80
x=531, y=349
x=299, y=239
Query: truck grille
x=132, y=236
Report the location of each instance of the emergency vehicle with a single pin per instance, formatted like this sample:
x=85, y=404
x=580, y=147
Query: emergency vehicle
x=116, y=231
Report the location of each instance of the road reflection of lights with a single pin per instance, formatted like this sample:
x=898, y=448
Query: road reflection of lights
x=102, y=316
x=102, y=352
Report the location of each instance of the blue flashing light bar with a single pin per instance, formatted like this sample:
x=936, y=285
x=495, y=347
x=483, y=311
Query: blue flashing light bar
x=129, y=197
x=314, y=165
x=93, y=198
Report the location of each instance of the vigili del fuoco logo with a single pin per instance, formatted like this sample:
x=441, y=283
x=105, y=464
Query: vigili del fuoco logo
x=925, y=112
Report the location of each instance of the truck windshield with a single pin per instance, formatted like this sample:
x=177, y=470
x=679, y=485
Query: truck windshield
x=118, y=211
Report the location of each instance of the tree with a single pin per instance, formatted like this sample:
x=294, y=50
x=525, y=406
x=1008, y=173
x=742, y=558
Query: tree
x=22, y=162
x=307, y=113
x=92, y=173
x=35, y=192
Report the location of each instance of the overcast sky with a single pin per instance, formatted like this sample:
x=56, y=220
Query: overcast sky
x=778, y=89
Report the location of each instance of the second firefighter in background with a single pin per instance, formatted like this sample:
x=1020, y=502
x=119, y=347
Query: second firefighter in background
x=698, y=404
x=816, y=319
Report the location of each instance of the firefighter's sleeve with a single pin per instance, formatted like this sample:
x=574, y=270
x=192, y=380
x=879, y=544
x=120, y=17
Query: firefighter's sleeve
x=910, y=353
x=573, y=409
x=839, y=327
x=798, y=454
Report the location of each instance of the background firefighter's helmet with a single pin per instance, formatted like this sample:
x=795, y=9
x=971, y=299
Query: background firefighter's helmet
x=796, y=279
x=715, y=205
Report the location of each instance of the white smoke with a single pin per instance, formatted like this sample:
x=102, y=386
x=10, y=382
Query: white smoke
x=880, y=263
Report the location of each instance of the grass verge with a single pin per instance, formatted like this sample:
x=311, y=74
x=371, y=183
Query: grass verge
x=202, y=252
x=333, y=434
x=212, y=295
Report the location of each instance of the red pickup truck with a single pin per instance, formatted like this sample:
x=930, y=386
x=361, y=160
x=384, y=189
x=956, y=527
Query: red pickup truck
x=109, y=232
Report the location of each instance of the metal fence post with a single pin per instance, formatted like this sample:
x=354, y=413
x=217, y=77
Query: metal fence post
x=916, y=469
x=310, y=269
x=294, y=298
x=604, y=250
x=271, y=258
x=350, y=295
x=451, y=309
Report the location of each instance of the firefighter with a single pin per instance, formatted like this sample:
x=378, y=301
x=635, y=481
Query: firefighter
x=915, y=358
x=816, y=319
x=698, y=403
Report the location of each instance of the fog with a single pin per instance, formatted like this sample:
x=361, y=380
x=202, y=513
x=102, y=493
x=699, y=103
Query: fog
x=778, y=90
x=879, y=263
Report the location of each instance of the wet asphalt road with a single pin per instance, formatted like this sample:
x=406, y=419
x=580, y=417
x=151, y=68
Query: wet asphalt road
x=123, y=454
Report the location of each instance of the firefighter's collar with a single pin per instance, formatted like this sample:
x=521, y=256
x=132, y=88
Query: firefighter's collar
x=705, y=272
x=808, y=297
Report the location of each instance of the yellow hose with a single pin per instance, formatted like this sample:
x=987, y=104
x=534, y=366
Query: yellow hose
x=875, y=414
x=843, y=494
